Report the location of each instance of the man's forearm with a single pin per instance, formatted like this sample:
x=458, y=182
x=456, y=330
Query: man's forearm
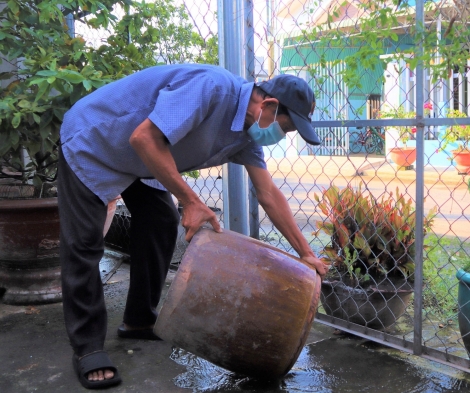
x=150, y=145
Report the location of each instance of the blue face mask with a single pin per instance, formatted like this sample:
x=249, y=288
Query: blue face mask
x=266, y=136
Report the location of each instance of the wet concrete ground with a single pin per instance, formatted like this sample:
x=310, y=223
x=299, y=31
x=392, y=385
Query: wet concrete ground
x=35, y=357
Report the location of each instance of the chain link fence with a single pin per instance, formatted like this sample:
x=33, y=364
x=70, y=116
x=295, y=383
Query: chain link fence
x=390, y=78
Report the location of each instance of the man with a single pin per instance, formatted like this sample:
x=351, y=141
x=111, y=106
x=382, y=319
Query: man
x=134, y=137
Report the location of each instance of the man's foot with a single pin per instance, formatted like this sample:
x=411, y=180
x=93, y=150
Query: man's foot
x=100, y=375
x=95, y=370
x=139, y=333
x=127, y=327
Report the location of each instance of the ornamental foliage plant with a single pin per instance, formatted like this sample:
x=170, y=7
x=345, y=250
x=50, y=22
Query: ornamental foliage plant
x=404, y=132
x=456, y=133
x=47, y=67
x=370, y=237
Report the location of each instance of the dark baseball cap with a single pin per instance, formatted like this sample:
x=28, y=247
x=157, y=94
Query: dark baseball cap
x=297, y=96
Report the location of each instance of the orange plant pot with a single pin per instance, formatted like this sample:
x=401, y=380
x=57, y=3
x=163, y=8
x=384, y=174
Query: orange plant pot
x=462, y=161
x=403, y=156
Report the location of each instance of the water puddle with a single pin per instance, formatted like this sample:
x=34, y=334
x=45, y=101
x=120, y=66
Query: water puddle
x=323, y=367
x=109, y=264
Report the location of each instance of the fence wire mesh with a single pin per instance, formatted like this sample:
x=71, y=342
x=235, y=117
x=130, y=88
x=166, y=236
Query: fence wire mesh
x=389, y=76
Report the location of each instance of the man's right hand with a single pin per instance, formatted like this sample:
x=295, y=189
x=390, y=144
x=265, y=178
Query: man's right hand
x=152, y=147
x=196, y=214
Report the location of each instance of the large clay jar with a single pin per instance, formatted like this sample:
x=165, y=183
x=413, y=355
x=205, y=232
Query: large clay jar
x=241, y=304
x=29, y=251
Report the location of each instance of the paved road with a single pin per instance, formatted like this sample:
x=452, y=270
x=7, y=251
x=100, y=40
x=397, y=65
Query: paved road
x=299, y=187
x=453, y=218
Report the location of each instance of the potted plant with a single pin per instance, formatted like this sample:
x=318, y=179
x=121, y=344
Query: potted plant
x=460, y=135
x=372, y=254
x=463, y=275
x=46, y=72
x=403, y=156
x=45, y=69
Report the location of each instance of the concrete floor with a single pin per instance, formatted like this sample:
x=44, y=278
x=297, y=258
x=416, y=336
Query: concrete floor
x=35, y=357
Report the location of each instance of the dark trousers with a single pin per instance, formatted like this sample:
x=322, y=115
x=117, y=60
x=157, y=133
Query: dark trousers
x=153, y=233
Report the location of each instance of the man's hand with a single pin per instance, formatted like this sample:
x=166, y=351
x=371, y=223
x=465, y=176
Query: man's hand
x=195, y=214
x=321, y=267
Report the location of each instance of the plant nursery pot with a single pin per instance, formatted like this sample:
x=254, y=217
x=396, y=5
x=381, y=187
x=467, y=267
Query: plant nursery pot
x=374, y=307
x=29, y=251
x=464, y=307
x=462, y=161
x=241, y=304
x=403, y=157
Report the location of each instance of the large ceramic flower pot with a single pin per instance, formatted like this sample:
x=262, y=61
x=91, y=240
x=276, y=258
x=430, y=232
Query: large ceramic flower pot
x=464, y=307
x=241, y=304
x=403, y=156
x=374, y=307
x=462, y=161
x=29, y=251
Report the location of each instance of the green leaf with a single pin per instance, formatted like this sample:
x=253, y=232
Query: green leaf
x=14, y=138
x=58, y=113
x=24, y=104
x=4, y=143
x=87, y=85
x=16, y=120
x=71, y=76
x=47, y=73
x=13, y=6
x=44, y=88
x=360, y=244
x=45, y=132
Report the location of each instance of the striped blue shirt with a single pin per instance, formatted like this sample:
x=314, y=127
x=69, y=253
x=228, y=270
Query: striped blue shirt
x=200, y=108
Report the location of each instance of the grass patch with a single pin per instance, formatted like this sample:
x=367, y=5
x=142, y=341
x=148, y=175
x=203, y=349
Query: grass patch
x=444, y=256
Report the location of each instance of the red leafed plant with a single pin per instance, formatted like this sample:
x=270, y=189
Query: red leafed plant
x=369, y=236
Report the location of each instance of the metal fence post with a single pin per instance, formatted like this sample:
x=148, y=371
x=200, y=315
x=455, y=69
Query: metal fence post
x=234, y=177
x=253, y=218
x=419, y=239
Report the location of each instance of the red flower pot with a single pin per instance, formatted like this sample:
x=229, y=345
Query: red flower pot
x=403, y=156
x=462, y=161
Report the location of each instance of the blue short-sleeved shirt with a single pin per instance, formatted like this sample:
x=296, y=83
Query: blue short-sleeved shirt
x=200, y=108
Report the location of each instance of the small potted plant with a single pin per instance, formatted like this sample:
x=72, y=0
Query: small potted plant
x=459, y=137
x=403, y=156
x=372, y=254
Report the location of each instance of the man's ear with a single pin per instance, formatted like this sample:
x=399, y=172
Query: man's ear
x=268, y=101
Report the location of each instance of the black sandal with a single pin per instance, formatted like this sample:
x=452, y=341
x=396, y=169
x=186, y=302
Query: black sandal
x=138, y=334
x=92, y=362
